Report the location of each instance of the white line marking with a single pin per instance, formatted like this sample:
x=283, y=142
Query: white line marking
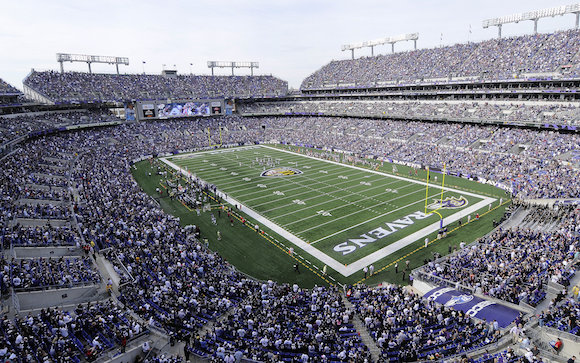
x=367, y=260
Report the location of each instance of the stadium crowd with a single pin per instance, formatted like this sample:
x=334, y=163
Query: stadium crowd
x=14, y=126
x=39, y=235
x=410, y=328
x=170, y=280
x=565, y=316
x=282, y=322
x=494, y=59
x=58, y=336
x=7, y=89
x=75, y=87
x=42, y=273
x=515, y=265
x=173, y=282
x=531, y=163
x=504, y=112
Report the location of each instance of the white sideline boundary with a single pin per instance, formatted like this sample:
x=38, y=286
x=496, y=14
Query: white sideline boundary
x=345, y=270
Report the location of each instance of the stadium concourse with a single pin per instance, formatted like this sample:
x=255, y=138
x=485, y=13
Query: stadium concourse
x=94, y=269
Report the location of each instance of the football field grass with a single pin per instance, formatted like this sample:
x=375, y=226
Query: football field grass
x=343, y=216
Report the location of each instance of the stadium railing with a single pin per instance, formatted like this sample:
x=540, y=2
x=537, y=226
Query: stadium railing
x=15, y=301
x=562, y=333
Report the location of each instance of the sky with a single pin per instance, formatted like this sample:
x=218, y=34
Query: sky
x=290, y=39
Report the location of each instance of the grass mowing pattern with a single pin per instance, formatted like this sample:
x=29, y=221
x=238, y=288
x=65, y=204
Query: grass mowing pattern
x=239, y=245
x=350, y=196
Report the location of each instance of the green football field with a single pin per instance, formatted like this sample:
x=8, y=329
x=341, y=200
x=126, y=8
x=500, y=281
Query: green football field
x=344, y=216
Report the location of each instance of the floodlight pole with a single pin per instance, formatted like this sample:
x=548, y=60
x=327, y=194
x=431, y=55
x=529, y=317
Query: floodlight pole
x=534, y=16
x=89, y=59
x=388, y=40
x=233, y=66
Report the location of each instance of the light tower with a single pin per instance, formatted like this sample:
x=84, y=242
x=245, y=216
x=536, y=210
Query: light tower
x=533, y=16
x=388, y=40
x=232, y=65
x=89, y=59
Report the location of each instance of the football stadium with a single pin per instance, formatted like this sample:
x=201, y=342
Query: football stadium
x=415, y=199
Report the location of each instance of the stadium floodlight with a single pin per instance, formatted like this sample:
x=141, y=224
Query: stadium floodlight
x=533, y=16
x=388, y=40
x=232, y=65
x=66, y=57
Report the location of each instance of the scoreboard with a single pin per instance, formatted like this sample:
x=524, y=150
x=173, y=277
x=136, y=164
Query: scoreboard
x=178, y=108
x=216, y=108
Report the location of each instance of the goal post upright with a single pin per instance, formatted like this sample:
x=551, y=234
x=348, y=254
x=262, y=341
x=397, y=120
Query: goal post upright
x=442, y=186
x=427, y=190
x=209, y=137
x=441, y=198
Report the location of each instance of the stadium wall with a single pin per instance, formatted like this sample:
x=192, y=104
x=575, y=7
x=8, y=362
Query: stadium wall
x=50, y=298
x=36, y=96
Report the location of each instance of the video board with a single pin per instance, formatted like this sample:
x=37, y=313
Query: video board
x=148, y=110
x=182, y=109
x=178, y=108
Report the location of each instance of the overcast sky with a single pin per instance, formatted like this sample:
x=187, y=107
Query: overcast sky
x=290, y=38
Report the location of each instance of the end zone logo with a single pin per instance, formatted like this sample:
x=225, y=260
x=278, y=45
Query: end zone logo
x=281, y=171
x=449, y=203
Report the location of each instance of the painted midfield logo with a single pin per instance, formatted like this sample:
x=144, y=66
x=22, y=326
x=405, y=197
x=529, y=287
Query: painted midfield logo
x=449, y=203
x=281, y=171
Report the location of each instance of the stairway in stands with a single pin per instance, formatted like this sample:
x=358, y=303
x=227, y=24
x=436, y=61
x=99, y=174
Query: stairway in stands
x=364, y=333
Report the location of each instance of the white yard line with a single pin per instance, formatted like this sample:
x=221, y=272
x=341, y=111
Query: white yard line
x=364, y=261
x=379, y=173
x=416, y=236
x=340, y=190
x=286, y=180
x=359, y=224
x=262, y=180
x=294, y=195
x=195, y=154
x=233, y=164
x=341, y=199
x=318, y=196
x=354, y=213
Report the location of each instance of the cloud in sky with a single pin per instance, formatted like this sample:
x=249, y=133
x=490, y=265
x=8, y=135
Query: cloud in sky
x=290, y=38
